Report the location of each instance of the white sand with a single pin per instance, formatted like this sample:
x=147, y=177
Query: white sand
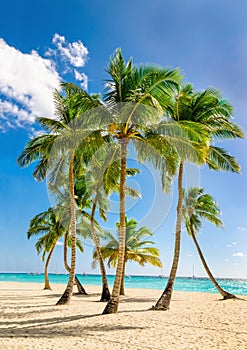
x=29, y=319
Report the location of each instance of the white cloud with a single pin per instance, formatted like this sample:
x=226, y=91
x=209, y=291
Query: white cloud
x=73, y=56
x=27, y=81
x=74, y=53
x=81, y=77
x=59, y=243
x=239, y=254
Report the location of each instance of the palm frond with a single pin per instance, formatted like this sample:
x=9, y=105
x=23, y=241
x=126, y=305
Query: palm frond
x=219, y=159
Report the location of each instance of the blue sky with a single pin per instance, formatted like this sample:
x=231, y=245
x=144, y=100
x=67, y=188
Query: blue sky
x=43, y=43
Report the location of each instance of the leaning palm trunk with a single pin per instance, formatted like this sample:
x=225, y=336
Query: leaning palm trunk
x=105, y=295
x=164, y=301
x=47, y=283
x=122, y=292
x=80, y=287
x=112, y=305
x=65, y=298
x=225, y=295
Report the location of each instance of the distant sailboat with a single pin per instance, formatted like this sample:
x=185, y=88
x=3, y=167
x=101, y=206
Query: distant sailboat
x=161, y=275
x=193, y=274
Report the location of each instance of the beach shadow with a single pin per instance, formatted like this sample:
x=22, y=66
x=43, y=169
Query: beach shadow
x=125, y=299
x=48, y=308
x=50, y=327
x=57, y=332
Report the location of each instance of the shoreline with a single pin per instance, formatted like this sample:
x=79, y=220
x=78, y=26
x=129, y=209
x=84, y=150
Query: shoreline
x=196, y=320
x=112, y=275
x=190, y=284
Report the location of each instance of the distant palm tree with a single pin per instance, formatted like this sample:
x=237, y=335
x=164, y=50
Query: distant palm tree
x=48, y=226
x=137, y=248
x=198, y=206
x=51, y=228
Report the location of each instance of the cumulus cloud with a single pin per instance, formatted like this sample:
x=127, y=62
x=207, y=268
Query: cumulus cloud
x=72, y=55
x=239, y=254
x=82, y=78
x=242, y=228
x=26, y=85
x=59, y=243
x=75, y=53
x=27, y=80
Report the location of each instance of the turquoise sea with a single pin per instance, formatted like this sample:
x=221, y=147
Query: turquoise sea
x=189, y=284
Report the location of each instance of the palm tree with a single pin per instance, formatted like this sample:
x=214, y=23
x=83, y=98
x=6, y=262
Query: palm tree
x=103, y=179
x=137, y=248
x=49, y=227
x=134, y=100
x=57, y=151
x=204, y=117
x=67, y=242
x=198, y=206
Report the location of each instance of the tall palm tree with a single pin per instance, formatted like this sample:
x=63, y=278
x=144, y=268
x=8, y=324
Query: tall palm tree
x=57, y=151
x=67, y=242
x=103, y=179
x=133, y=103
x=198, y=206
x=137, y=248
x=204, y=117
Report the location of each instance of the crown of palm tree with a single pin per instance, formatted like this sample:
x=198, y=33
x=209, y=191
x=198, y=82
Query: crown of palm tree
x=138, y=247
x=198, y=206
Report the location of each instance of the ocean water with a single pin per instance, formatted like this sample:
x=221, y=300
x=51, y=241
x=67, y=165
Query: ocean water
x=189, y=284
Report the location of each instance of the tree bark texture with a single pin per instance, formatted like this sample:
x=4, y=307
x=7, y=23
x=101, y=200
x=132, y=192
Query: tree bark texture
x=225, y=294
x=105, y=294
x=66, y=297
x=47, y=283
x=164, y=301
x=112, y=305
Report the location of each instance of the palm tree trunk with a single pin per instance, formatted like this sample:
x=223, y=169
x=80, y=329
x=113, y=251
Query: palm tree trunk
x=65, y=251
x=81, y=289
x=112, y=305
x=66, y=297
x=122, y=292
x=47, y=283
x=225, y=295
x=105, y=295
x=164, y=301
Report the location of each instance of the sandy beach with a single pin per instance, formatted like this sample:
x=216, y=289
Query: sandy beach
x=30, y=320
